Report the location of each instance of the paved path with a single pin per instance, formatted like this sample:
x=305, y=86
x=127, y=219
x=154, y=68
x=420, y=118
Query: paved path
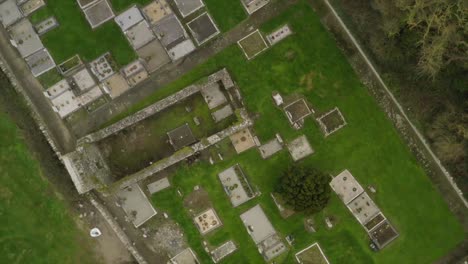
x=58, y=131
x=397, y=104
x=172, y=72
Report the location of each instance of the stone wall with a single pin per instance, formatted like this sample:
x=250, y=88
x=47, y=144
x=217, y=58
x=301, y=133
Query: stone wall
x=188, y=91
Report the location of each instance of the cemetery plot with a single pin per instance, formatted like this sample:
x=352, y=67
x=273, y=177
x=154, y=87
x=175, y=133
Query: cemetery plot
x=187, y=7
x=300, y=148
x=331, y=122
x=70, y=64
x=203, y=28
x=253, y=5
x=313, y=254
x=242, y=140
x=383, y=234
x=135, y=204
x=207, y=221
x=98, y=13
x=103, y=67
x=252, y=44
x=297, y=111
x=236, y=185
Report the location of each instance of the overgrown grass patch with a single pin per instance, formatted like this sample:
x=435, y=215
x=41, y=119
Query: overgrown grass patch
x=226, y=14
x=75, y=36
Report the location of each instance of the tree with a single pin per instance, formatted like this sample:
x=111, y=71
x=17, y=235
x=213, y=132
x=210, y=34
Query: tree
x=442, y=27
x=304, y=189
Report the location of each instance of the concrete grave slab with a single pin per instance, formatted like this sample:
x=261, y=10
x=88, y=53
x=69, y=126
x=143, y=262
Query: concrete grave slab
x=90, y=96
x=181, y=137
x=154, y=55
x=182, y=49
x=346, y=186
x=235, y=185
x=252, y=6
x=65, y=103
x=129, y=18
x=279, y=34
x=115, y=85
x=158, y=185
x=98, y=13
x=25, y=37
x=40, y=62
x=223, y=251
x=242, y=140
x=270, y=148
x=46, y=25
x=257, y=224
x=30, y=6
x=135, y=204
x=139, y=35
x=82, y=80
x=102, y=67
x=213, y=95
x=222, y=113
x=156, y=10
x=188, y=7
x=135, y=72
x=187, y=256
x=203, y=28
x=169, y=31
x=300, y=148
x=57, y=89
x=9, y=13
x=207, y=221
x=363, y=208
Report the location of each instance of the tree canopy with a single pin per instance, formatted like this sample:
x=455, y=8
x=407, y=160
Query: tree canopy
x=441, y=28
x=304, y=189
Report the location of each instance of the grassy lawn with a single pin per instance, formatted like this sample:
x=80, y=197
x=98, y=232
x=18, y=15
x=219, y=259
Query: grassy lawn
x=75, y=36
x=121, y=5
x=226, y=14
x=369, y=146
x=35, y=226
x=50, y=78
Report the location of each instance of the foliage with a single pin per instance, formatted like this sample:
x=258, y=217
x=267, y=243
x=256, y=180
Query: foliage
x=441, y=26
x=303, y=188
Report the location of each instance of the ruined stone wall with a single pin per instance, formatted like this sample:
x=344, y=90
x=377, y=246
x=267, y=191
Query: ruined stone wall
x=188, y=91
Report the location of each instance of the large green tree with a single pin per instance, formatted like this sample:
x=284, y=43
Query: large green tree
x=304, y=189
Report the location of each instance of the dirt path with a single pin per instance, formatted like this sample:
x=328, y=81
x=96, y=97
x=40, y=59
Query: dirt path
x=172, y=72
x=57, y=129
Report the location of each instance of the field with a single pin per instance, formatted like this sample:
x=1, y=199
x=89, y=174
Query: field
x=75, y=36
x=369, y=146
x=35, y=226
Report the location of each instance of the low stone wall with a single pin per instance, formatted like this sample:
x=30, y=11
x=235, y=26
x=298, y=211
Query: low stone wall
x=184, y=153
x=188, y=91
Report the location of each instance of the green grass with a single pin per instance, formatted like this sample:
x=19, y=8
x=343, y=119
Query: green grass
x=75, y=36
x=49, y=78
x=226, y=14
x=120, y=5
x=369, y=146
x=35, y=226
